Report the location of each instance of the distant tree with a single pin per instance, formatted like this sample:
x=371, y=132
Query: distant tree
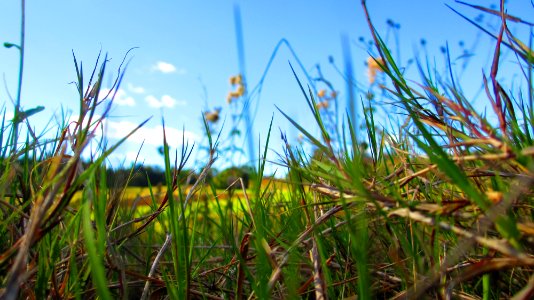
x=140, y=176
x=228, y=176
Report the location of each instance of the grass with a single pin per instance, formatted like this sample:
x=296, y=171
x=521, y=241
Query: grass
x=438, y=207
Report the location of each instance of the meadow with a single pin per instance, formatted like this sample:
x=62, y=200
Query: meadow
x=439, y=207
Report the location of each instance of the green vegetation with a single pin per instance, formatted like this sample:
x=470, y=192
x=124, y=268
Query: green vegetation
x=439, y=207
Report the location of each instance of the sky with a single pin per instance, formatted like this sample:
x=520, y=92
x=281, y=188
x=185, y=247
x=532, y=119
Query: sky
x=184, y=52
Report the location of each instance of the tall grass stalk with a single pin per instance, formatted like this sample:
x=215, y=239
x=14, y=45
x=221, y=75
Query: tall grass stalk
x=20, y=47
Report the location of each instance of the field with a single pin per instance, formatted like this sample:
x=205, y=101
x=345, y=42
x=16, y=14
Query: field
x=439, y=207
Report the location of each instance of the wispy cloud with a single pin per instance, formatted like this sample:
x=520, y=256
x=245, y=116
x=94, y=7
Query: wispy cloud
x=165, y=101
x=149, y=135
x=152, y=136
x=121, y=97
x=136, y=89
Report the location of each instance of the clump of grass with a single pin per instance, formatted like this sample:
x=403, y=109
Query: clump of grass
x=437, y=210
x=438, y=207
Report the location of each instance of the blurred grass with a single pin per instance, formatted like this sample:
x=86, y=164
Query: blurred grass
x=438, y=207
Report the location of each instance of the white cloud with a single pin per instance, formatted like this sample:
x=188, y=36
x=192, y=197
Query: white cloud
x=133, y=156
x=165, y=101
x=164, y=67
x=124, y=156
x=136, y=89
x=121, y=97
x=149, y=135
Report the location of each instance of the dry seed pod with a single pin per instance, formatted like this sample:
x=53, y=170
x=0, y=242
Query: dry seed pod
x=212, y=116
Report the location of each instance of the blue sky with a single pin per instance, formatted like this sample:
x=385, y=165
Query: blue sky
x=186, y=52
